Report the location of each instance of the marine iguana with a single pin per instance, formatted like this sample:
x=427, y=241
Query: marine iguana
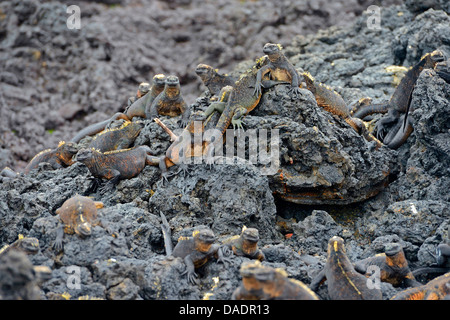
x=261, y=282
x=213, y=80
x=279, y=69
x=116, y=165
x=28, y=245
x=195, y=251
x=77, y=216
x=393, y=266
x=143, y=89
x=343, y=282
x=138, y=108
x=436, y=289
x=332, y=102
x=141, y=105
x=122, y=137
x=442, y=264
x=245, y=244
x=397, y=108
x=170, y=102
x=60, y=157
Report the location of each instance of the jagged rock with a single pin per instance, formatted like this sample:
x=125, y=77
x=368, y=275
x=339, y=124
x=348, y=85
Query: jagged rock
x=44, y=74
x=123, y=279
x=322, y=159
x=312, y=234
x=17, y=277
x=224, y=197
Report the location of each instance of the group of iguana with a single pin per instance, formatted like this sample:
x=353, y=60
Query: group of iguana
x=111, y=155
x=345, y=280
x=232, y=99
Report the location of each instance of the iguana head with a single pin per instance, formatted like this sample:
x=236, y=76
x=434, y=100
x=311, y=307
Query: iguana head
x=261, y=273
x=84, y=155
x=172, y=86
x=159, y=80
x=29, y=245
x=250, y=234
x=437, y=56
x=273, y=281
x=272, y=50
x=395, y=257
x=66, y=150
x=67, y=147
x=204, y=238
x=83, y=227
x=391, y=249
x=249, y=271
x=144, y=87
x=442, y=251
x=172, y=81
x=204, y=71
x=443, y=70
x=336, y=244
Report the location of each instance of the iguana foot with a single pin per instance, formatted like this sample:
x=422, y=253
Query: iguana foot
x=224, y=255
x=258, y=90
x=237, y=123
x=295, y=91
x=185, y=195
x=184, y=123
x=58, y=245
x=192, y=276
x=209, y=161
x=106, y=188
x=209, y=156
x=164, y=178
x=225, y=260
x=183, y=169
x=380, y=130
x=226, y=251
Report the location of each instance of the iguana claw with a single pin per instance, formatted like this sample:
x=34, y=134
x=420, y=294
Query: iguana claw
x=380, y=131
x=237, y=123
x=107, y=187
x=295, y=91
x=184, y=123
x=183, y=168
x=224, y=254
x=209, y=156
x=163, y=179
x=192, y=276
x=257, y=90
x=209, y=161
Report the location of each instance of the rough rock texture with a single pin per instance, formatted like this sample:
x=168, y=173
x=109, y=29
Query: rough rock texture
x=322, y=159
x=17, y=278
x=224, y=198
x=317, y=150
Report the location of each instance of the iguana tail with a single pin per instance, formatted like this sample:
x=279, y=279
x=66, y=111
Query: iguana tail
x=97, y=127
x=172, y=135
x=371, y=109
x=166, y=234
